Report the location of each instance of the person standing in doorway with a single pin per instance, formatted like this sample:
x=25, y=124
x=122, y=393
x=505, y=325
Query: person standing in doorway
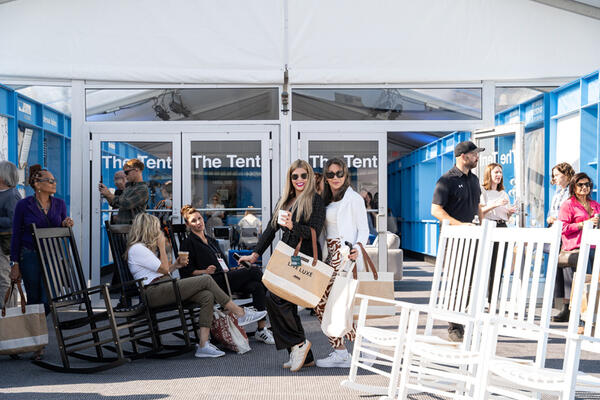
x=120, y=181
x=134, y=198
x=456, y=198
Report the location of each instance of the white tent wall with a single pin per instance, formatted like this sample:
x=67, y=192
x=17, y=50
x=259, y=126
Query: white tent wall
x=388, y=41
x=177, y=41
x=330, y=42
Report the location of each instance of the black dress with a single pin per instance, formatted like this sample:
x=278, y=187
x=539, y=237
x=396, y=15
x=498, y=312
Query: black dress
x=285, y=322
x=244, y=280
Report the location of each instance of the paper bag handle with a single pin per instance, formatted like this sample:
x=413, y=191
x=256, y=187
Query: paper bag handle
x=368, y=261
x=9, y=293
x=313, y=235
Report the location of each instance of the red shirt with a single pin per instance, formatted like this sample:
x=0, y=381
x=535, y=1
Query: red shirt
x=571, y=214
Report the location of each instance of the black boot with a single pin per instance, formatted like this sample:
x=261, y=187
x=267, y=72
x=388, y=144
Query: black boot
x=562, y=316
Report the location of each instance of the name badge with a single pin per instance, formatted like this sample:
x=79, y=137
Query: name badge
x=296, y=261
x=223, y=264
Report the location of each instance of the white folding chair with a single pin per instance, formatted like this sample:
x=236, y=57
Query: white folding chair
x=452, y=372
x=457, y=273
x=510, y=379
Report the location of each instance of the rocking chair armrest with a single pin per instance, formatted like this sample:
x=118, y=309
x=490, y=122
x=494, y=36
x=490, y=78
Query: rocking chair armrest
x=527, y=326
x=87, y=291
x=134, y=282
x=397, y=303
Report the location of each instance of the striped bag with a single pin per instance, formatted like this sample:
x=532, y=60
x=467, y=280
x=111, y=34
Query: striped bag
x=302, y=284
x=22, y=329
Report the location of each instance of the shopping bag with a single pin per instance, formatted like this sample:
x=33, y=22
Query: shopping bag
x=225, y=330
x=22, y=329
x=376, y=284
x=337, y=316
x=296, y=277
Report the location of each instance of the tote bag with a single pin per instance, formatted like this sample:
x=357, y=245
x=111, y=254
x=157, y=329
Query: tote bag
x=376, y=284
x=226, y=330
x=304, y=284
x=22, y=329
x=337, y=317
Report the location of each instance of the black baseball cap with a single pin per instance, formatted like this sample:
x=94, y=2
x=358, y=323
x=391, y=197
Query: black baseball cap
x=466, y=147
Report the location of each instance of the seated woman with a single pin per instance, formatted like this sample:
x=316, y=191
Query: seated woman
x=145, y=238
x=206, y=258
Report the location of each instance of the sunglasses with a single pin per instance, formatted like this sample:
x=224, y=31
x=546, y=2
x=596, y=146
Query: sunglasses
x=49, y=180
x=584, y=184
x=127, y=171
x=295, y=177
x=331, y=175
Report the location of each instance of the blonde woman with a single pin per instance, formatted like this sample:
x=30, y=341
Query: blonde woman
x=303, y=209
x=144, y=240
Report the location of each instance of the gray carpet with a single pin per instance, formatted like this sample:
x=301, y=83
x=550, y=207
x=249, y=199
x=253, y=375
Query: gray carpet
x=256, y=375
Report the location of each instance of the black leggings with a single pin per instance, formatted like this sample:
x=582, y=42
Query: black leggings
x=245, y=280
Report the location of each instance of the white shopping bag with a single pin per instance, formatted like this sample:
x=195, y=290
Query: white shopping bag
x=337, y=317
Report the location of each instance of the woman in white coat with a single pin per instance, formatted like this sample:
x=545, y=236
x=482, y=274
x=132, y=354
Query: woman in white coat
x=346, y=221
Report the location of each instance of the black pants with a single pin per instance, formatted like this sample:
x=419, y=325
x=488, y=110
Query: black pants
x=285, y=323
x=499, y=224
x=245, y=280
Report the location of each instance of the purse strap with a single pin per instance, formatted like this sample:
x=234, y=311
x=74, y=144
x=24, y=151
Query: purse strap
x=313, y=235
x=368, y=261
x=9, y=293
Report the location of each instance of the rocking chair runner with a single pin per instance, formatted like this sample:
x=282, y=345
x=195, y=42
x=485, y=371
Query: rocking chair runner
x=65, y=287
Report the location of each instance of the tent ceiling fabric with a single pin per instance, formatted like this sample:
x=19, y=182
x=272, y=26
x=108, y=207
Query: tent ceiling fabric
x=329, y=42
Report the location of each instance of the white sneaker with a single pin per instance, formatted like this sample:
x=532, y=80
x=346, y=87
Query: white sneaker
x=250, y=316
x=264, y=335
x=208, y=351
x=335, y=360
x=288, y=364
x=298, y=355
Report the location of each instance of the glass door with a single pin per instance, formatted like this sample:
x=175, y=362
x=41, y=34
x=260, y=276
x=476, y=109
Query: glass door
x=227, y=177
x=161, y=155
x=505, y=145
x=365, y=154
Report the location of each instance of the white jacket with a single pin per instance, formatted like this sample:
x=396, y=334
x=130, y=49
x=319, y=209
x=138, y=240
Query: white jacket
x=352, y=224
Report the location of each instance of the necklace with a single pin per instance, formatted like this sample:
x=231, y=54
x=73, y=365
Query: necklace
x=42, y=208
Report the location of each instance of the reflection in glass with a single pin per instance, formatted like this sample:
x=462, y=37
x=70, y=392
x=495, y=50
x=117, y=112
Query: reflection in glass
x=182, y=104
x=507, y=97
x=534, y=176
x=386, y=104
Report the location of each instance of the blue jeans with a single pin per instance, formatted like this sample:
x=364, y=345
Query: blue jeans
x=31, y=273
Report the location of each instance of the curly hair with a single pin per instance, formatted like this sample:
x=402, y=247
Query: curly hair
x=565, y=169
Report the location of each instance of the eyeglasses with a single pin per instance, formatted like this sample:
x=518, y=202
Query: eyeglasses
x=331, y=175
x=296, y=176
x=49, y=180
x=127, y=171
x=584, y=184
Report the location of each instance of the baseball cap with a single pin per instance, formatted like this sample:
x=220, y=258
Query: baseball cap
x=466, y=147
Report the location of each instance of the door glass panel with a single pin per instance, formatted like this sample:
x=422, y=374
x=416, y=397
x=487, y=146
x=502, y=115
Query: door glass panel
x=158, y=174
x=534, y=177
x=226, y=185
x=362, y=159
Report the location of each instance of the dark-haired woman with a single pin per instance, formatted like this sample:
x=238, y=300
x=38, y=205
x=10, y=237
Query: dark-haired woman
x=573, y=213
x=346, y=221
x=45, y=211
x=206, y=258
x=301, y=208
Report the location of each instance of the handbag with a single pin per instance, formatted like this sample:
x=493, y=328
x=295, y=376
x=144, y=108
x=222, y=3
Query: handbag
x=376, y=284
x=296, y=277
x=337, y=317
x=227, y=331
x=568, y=258
x=22, y=329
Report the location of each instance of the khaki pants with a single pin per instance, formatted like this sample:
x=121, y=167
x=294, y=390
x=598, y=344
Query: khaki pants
x=200, y=289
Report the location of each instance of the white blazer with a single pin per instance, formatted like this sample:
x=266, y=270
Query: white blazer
x=352, y=224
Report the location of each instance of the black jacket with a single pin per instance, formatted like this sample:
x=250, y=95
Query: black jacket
x=300, y=229
x=201, y=255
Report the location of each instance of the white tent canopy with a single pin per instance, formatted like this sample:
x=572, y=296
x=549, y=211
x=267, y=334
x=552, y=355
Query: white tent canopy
x=321, y=42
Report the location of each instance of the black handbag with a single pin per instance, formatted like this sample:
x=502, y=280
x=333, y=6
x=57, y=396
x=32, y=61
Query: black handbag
x=568, y=258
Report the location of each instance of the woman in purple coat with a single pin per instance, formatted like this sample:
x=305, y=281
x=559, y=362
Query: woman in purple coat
x=45, y=211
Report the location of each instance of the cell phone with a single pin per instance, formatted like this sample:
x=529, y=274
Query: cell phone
x=237, y=257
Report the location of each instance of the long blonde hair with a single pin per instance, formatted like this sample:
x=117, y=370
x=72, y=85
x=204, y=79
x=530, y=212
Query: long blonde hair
x=145, y=229
x=303, y=204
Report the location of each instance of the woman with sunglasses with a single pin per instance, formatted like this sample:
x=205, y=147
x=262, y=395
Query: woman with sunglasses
x=573, y=213
x=303, y=209
x=346, y=221
x=45, y=211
